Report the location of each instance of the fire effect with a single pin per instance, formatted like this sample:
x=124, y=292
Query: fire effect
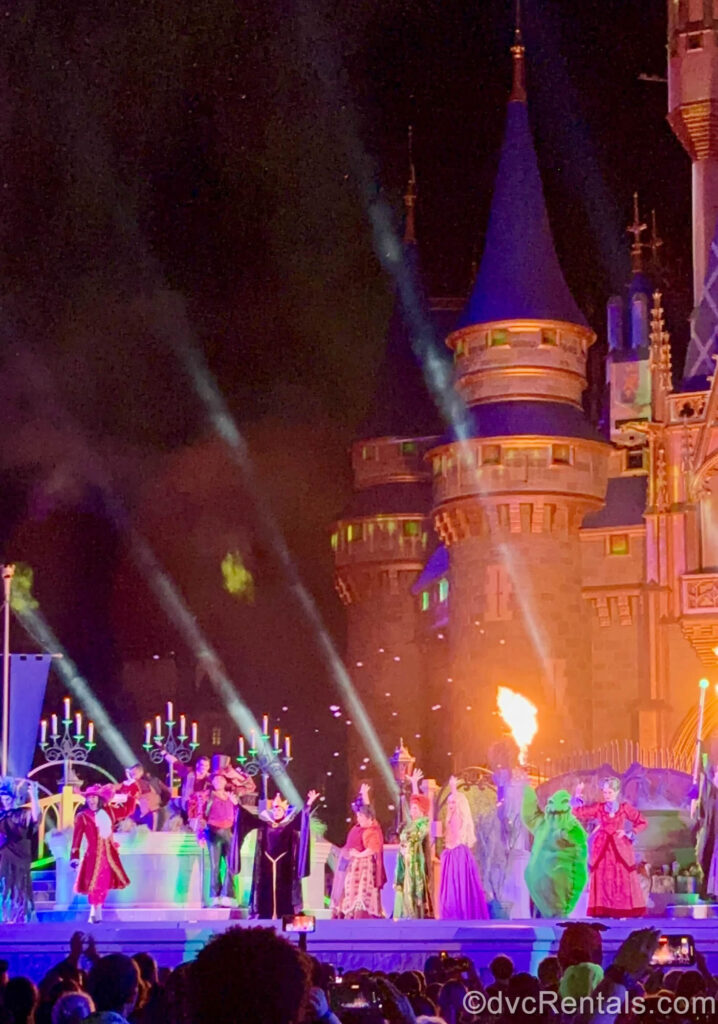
x=520, y=715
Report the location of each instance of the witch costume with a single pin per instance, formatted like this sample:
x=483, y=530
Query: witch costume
x=18, y=826
x=281, y=858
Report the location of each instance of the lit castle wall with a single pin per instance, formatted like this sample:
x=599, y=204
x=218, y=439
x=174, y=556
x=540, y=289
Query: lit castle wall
x=579, y=568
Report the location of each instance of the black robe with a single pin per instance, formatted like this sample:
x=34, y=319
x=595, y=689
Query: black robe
x=707, y=821
x=281, y=860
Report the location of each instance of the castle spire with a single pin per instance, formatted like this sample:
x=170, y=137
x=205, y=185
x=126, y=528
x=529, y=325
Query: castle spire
x=410, y=195
x=519, y=275
x=636, y=229
x=655, y=243
x=518, y=50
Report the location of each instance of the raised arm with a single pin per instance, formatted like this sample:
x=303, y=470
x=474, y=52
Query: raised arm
x=531, y=813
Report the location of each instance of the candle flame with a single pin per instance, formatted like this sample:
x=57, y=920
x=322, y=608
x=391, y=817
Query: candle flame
x=520, y=715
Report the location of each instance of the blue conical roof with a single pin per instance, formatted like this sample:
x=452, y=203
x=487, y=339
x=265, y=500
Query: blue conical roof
x=519, y=276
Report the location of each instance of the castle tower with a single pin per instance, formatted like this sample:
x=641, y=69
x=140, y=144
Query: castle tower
x=693, y=114
x=510, y=499
x=383, y=538
x=628, y=363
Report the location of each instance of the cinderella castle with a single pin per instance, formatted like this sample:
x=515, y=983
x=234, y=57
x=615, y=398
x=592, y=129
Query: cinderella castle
x=521, y=546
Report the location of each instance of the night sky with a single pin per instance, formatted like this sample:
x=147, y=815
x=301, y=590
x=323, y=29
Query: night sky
x=214, y=158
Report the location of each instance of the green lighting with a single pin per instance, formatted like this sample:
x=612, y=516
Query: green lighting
x=21, y=599
x=238, y=580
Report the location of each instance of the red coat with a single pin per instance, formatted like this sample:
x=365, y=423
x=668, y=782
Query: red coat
x=614, y=886
x=101, y=866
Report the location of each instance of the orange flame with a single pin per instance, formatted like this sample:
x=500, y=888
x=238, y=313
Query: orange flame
x=520, y=715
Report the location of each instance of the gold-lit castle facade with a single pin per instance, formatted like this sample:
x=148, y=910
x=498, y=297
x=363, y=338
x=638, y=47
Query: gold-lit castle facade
x=521, y=546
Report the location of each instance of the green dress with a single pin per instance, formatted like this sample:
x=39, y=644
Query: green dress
x=413, y=871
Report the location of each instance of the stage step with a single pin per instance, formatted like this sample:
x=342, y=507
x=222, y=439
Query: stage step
x=693, y=911
x=43, y=887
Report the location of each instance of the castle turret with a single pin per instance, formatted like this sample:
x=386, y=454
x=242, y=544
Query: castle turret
x=383, y=538
x=693, y=114
x=510, y=499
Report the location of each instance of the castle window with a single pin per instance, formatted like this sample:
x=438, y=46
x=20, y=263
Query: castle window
x=368, y=452
x=561, y=454
x=354, y=532
x=436, y=463
x=499, y=338
x=634, y=459
x=335, y=541
x=491, y=455
x=411, y=529
x=549, y=338
x=408, y=447
x=216, y=739
x=694, y=41
x=425, y=600
x=460, y=349
x=443, y=589
x=618, y=544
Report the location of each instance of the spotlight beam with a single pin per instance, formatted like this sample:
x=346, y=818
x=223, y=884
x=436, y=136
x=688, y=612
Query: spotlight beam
x=226, y=428
x=36, y=625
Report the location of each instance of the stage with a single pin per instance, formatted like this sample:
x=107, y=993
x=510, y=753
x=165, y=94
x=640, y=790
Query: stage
x=387, y=945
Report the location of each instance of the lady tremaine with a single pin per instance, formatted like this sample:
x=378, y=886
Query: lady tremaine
x=101, y=868
x=18, y=825
x=614, y=886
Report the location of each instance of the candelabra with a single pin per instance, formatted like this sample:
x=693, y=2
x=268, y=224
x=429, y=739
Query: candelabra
x=265, y=759
x=176, y=745
x=67, y=746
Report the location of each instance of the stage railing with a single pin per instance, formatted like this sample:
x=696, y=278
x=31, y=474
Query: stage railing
x=620, y=755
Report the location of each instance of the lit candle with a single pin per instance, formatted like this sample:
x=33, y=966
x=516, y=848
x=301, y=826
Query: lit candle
x=194, y=732
x=252, y=740
x=158, y=727
x=148, y=734
x=78, y=723
x=287, y=746
x=43, y=731
x=241, y=746
x=183, y=726
x=265, y=725
x=66, y=703
x=170, y=711
x=276, y=739
x=90, y=732
x=53, y=725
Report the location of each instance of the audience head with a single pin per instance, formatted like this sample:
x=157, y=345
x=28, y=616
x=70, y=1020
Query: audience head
x=549, y=972
x=502, y=967
x=114, y=983
x=247, y=975
x=71, y=1008
x=147, y=966
x=20, y=999
x=580, y=943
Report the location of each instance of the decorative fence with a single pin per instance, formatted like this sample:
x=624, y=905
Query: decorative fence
x=620, y=755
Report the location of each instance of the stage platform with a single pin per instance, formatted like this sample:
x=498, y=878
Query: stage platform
x=387, y=945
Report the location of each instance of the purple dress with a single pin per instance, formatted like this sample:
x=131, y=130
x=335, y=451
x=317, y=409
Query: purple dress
x=461, y=894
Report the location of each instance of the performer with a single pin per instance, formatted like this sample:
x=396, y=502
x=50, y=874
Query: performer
x=707, y=821
x=614, y=887
x=461, y=894
x=360, y=875
x=281, y=855
x=413, y=876
x=557, y=870
x=101, y=868
x=216, y=821
x=17, y=829
x=153, y=795
x=192, y=779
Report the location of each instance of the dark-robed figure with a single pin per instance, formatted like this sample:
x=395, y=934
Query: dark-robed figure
x=281, y=856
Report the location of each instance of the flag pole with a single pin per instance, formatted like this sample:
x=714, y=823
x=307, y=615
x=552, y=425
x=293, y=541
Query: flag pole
x=8, y=571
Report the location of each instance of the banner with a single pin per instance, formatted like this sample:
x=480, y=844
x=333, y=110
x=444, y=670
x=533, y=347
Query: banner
x=28, y=681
